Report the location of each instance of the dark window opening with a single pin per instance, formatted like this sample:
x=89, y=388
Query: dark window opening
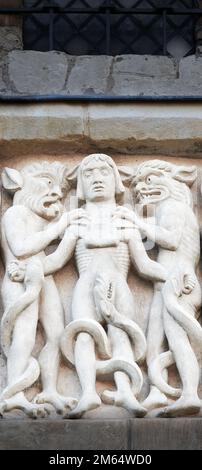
x=91, y=27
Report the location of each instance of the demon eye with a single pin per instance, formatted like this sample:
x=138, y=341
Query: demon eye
x=47, y=180
x=150, y=179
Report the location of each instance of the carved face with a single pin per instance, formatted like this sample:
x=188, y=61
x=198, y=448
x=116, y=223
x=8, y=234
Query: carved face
x=42, y=193
x=98, y=181
x=151, y=186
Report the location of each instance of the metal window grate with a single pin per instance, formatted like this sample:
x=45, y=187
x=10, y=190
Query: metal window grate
x=111, y=27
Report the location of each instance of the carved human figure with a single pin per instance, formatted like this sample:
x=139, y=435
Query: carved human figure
x=175, y=306
x=28, y=227
x=103, y=251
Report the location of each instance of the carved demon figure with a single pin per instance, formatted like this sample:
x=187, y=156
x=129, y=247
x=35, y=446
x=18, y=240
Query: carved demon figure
x=28, y=227
x=176, y=304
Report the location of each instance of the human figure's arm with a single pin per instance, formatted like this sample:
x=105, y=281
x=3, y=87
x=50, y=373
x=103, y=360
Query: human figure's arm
x=61, y=255
x=143, y=264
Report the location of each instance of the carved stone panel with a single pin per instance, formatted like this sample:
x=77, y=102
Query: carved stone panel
x=101, y=287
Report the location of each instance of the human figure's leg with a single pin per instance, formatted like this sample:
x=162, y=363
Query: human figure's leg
x=124, y=395
x=121, y=348
x=52, y=319
x=85, y=360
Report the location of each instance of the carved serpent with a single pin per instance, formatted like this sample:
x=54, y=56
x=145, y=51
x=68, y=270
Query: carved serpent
x=134, y=332
x=33, y=281
x=108, y=366
x=191, y=327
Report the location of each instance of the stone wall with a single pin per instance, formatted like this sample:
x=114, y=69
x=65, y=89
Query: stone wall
x=42, y=73
x=130, y=133
x=135, y=129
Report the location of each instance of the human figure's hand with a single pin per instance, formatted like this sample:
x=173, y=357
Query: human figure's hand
x=79, y=221
x=74, y=217
x=125, y=222
x=78, y=217
x=127, y=214
x=16, y=270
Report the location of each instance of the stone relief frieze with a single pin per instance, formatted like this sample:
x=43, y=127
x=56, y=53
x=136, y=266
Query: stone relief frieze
x=95, y=353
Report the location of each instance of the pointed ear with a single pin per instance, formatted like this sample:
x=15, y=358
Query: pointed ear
x=72, y=175
x=126, y=173
x=12, y=180
x=185, y=174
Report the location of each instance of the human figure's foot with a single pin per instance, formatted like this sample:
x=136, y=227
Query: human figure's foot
x=86, y=403
x=20, y=402
x=182, y=407
x=155, y=399
x=125, y=400
x=59, y=402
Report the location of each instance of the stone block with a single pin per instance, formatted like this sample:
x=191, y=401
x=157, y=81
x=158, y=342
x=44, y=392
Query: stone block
x=47, y=121
x=166, y=434
x=2, y=82
x=89, y=75
x=63, y=434
x=10, y=38
x=190, y=70
x=133, y=434
x=141, y=74
x=37, y=72
x=56, y=129
x=143, y=121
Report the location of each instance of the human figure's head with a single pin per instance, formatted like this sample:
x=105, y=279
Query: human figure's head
x=98, y=179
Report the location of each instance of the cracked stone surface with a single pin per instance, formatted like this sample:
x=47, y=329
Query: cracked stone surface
x=37, y=72
x=89, y=75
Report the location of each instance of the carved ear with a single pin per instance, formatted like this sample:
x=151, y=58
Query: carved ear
x=72, y=175
x=185, y=174
x=127, y=174
x=12, y=180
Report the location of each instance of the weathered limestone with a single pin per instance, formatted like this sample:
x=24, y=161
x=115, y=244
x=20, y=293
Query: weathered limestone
x=37, y=72
x=129, y=128
x=142, y=75
x=101, y=339
x=47, y=181
x=2, y=82
x=89, y=75
x=10, y=39
x=55, y=72
x=145, y=123
x=191, y=67
x=116, y=434
x=43, y=122
x=175, y=304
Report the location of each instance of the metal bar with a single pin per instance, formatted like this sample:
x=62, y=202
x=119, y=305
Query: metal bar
x=108, y=31
x=113, y=11
x=51, y=20
x=107, y=9
x=96, y=98
x=164, y=16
